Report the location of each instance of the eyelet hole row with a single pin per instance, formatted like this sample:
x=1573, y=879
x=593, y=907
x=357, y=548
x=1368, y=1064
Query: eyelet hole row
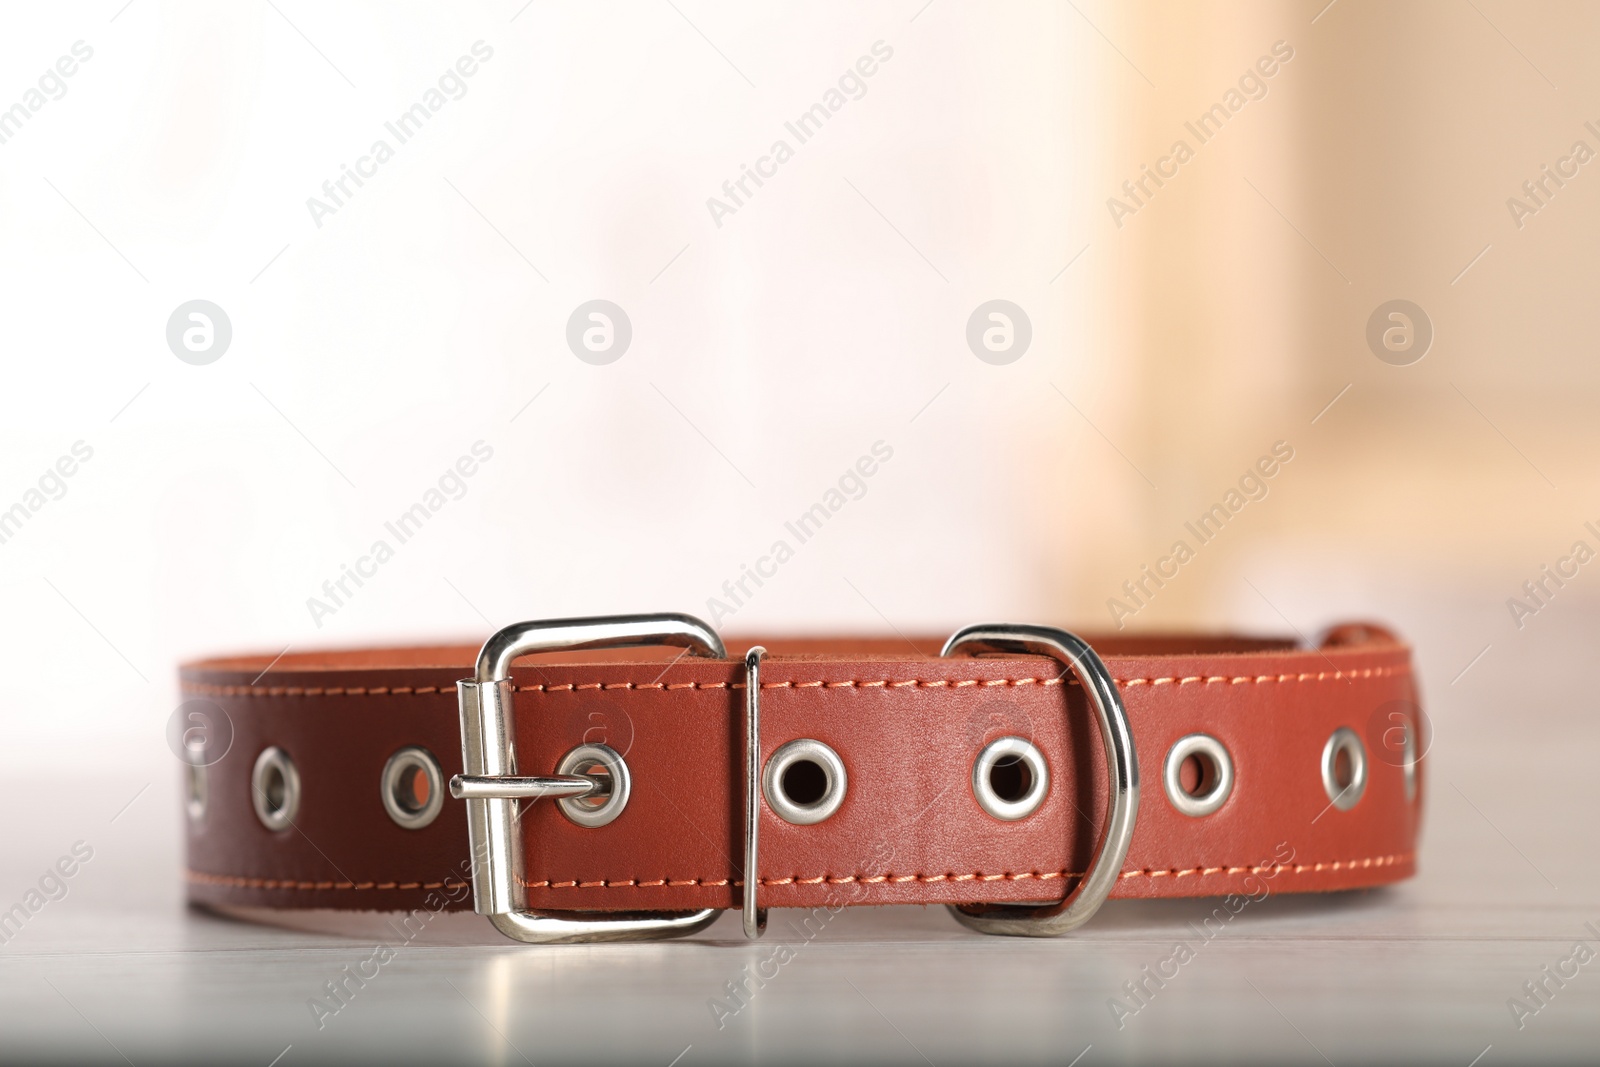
x=412, y=788
x=804, y=781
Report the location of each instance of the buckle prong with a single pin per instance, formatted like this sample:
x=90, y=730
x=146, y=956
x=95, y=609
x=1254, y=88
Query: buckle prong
x=507, y=787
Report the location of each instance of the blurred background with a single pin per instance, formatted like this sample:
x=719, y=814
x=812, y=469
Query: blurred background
x=1165, y=332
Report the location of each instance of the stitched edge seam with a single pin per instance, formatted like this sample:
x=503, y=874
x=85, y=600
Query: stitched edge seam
x=208, y=689
x=1364, y=863
x=239, y=882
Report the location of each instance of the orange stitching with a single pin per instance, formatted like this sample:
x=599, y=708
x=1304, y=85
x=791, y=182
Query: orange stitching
x=1365, y=862
x=313, y=691
x=1275, y=868
x=620, y=883
x=238, y=882
x=919, y=683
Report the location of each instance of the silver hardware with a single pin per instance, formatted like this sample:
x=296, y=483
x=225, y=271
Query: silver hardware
x=275, y=789
x=610, y=795
x=1347, y=742
x=1216, y=777
x=755, y=919
x=197, y=791
x=1026, y=755
x=512, y=787
x=1409, y=753
x=487, y=731
x=1122, y=772
x=786, y=759
x=398, y=787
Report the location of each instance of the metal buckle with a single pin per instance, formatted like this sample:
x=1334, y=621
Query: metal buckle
x=491, y=786
x=1122, y=772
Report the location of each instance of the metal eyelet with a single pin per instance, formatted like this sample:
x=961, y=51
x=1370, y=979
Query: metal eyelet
x=602, y=808
x=804, y=782
x=275, y=789
x=1024, y=778
x=1347, y=742
x=1409, y=767
x=1216, y=774
x=412, y=787
x=197, y=791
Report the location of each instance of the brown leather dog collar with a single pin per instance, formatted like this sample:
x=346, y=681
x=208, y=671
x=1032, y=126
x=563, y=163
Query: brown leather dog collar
x=979, y=780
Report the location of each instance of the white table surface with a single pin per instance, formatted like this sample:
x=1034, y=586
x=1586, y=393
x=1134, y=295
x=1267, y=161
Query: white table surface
x=119, y=970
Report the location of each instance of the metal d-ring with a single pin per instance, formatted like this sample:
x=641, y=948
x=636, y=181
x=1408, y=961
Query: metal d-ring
x=1122, y=774
x=755, y=919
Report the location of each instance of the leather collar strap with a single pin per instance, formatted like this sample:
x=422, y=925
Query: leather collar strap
x=907, y=725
